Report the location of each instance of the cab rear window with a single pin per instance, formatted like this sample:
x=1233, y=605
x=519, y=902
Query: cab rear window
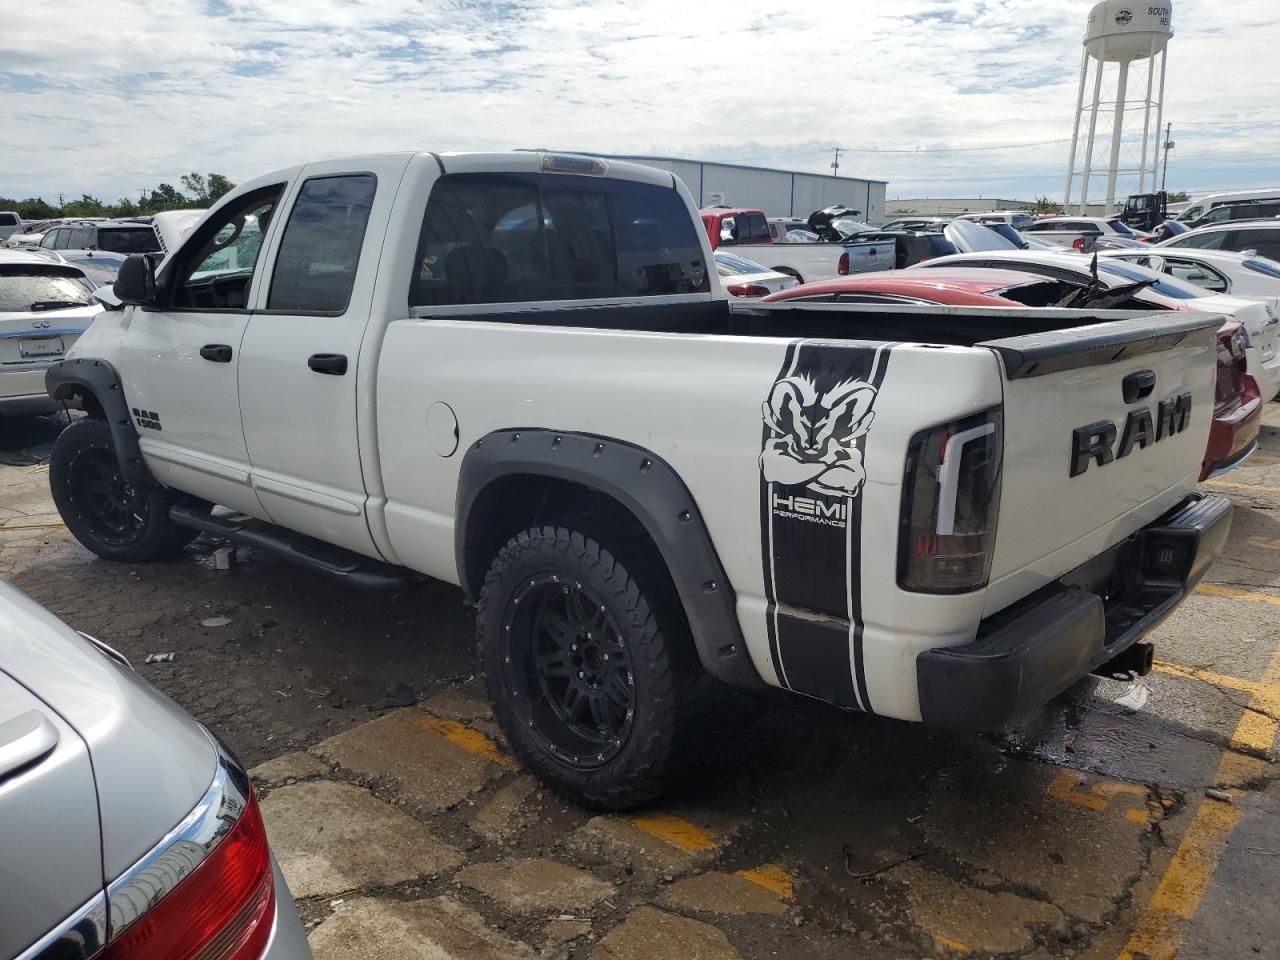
x=522, y=238
x=133, y=240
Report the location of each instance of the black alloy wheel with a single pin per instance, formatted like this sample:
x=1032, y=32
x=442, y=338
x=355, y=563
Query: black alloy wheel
x=572, y=674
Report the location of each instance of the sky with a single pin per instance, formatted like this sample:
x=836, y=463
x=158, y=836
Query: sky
x=938, y=97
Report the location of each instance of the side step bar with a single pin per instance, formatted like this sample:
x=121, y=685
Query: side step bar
x=316, y=555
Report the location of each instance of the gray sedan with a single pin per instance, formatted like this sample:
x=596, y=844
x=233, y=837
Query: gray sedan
x=126, y=825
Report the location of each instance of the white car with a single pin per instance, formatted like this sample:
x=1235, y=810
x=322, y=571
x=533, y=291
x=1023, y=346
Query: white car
x=1259, y=318
x=1218, y=271
x=1079, y=233
x=747, y=280
x=1198, y=209
x=1241, y=236
x=45, y=305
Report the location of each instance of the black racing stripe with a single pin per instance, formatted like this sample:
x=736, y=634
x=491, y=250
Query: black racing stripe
x=881, y=367
x=817, y=658
x=766, y=545
x=815, y=536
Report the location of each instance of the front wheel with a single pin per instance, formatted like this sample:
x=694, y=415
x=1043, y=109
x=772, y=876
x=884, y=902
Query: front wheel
x=107, y=514
x=584, y=679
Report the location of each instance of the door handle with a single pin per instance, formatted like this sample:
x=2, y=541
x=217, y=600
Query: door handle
x=25, y=740
x=334, y=364
x=217, y=352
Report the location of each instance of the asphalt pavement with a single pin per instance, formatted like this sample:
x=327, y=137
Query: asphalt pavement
x=1124, y=821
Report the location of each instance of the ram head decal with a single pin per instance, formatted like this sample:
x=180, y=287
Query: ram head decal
x=815, y=433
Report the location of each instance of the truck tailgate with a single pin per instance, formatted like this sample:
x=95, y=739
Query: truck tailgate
x=1105, y=428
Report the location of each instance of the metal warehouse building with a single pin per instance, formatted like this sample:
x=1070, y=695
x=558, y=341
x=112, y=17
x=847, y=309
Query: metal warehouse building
x=779, y=193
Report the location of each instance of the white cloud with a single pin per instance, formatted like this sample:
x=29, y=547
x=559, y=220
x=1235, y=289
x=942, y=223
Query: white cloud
x=111, y=99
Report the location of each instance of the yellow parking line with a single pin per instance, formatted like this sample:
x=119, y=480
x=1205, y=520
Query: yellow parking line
x=773, y=878
x=1266, y=543
x=1213, y=590
x=1214, y=679
x=949, y=944
x=676, y=831
x=470, y=740
x=1265, y=458
x=1158, y=934
x=1241, y=486
x=30, y=526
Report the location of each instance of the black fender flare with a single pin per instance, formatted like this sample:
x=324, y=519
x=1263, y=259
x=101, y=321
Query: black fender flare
x=98, y=378
x=645, y=485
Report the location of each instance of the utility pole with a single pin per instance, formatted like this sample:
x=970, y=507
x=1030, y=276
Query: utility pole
x=835, y=164
x=1168, y=145
x=60, y=202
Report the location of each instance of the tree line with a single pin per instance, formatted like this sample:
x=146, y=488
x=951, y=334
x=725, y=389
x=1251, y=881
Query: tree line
x=198, y=190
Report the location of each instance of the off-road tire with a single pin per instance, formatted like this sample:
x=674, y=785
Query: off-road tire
x=646, y=615
x=84, y=454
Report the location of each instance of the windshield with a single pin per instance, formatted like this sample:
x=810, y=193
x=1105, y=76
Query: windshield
x=849, y=226
x=35, y=289
x=970, y=237
x=727, y=265
x=1169, y=286
x=133, y=240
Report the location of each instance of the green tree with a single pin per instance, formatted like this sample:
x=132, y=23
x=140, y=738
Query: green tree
x=206, y=189
x=1044, y=205
x=1178, y=196
x=86, y=206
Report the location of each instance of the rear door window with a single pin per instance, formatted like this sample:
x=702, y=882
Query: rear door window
x=1196, y=273
x=757, y=227
x=316, y=267
x=1202, y=241
x=1266, y=243
x=519, y=238
x=8, y=220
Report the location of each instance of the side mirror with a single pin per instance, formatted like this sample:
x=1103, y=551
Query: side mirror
x=136, y=281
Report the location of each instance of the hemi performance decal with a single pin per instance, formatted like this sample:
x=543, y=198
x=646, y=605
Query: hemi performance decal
x=816, y=420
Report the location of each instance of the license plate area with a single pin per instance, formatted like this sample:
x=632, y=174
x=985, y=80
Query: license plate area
x=39, y=348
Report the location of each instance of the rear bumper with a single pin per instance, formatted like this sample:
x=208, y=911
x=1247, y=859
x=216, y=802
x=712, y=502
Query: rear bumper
x=288, y=939
x=1031, y=652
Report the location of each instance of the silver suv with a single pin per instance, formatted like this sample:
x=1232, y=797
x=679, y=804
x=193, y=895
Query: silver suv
x=126, y=826
x=117, y=236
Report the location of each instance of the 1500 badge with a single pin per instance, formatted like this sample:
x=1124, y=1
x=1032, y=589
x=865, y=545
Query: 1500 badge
x=1096, y=442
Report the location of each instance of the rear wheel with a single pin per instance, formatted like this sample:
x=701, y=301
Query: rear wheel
x=106, y=513
x=583, y=678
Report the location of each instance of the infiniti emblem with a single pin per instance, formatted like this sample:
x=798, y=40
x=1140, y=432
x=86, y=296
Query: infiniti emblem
x=40, y=324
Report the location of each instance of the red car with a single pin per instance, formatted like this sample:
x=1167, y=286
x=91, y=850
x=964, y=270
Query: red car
x=1237, y=411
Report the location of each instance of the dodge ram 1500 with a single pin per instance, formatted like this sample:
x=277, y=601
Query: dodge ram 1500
x=518, y=373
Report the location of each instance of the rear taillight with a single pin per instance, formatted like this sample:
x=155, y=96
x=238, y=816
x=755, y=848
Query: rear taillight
x=1078, y=243
x=843, y=266
x=201, y=897
x=747, y=290
x=950, y=500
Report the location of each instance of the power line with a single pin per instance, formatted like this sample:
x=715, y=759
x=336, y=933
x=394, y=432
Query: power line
x=888, y=151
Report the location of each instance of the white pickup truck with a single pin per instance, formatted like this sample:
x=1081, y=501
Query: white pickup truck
x=748, y=233
x=518, y=373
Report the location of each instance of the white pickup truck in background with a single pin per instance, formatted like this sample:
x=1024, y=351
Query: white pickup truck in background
x=518, y=373
x=747, y=233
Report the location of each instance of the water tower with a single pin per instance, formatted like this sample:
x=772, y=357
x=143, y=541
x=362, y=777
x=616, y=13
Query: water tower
x=1120, y=33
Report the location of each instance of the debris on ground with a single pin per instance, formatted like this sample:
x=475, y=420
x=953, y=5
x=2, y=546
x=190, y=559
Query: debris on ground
x=1215, y=794
x=159, y=658
x=215, y=621
x=224, y=558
